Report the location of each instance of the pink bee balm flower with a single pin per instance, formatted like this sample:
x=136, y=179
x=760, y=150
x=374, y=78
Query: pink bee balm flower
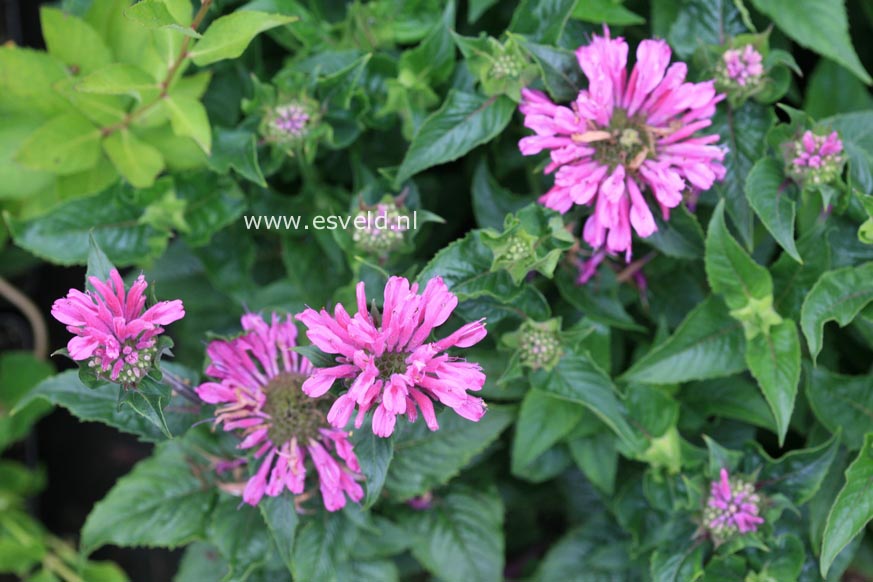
x=732, y=508
x=112, y=329
x=623, y=135
x=743, y=67
x=388, y=361
x=816, y=159
x=259, y=387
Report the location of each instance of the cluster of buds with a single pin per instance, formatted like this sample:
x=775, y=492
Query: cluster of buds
x=131, y=363
x=508, y=65
x=815, y=159
x=741, y=67
x=732, y=508
x=384, y=226
x=290, y=123
x=539, y=344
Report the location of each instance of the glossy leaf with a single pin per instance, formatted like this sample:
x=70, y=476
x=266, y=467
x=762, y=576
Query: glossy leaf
x=228, y=36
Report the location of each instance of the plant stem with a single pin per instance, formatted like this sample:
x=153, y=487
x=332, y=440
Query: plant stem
x=168, y=78
x=27, y=307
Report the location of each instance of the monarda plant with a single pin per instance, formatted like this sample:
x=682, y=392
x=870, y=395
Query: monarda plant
x=535, y=290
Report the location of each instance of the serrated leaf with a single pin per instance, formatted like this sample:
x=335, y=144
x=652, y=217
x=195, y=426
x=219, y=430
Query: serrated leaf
x=280, y=515
x=73, y=41
x=799, y=473
x=374, y=455
x=62, y=235
x=837, y=296
x=765, y=191
x=461, y=537
x=709, y=343
x=820, y=25
x=424, y=459
x=228, y=36
x=464, y=121
x=237, y=149
x=188, y=119
x=695, y=23
x=117, y=79
x=161, y=502
x=542, y=21
x=840, y=402
x=66, y=144
x=322, y=546
x=578, y=379
x=852, y=509
x=138, y=162
x=543, y=420
x=730, y=271
x=239, y=533
x=156, y=14
x=774, y=361
x=148, y=400
x=562, y=75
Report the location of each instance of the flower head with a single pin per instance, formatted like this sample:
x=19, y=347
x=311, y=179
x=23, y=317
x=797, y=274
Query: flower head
x=113, y=329
x=291, y=123
x=732, y=508
x=623, y=135
x=742, y=67
x=387, y=361
x=385, y=227
x=259, y=379
x=815, y=159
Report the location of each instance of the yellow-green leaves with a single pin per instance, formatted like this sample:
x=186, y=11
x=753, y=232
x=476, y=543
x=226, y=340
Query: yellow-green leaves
x=73, y=41
x=66, y=144
x=138, y=162
x=188, y=118
x=228, y=36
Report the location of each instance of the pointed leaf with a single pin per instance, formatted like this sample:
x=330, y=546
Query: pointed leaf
x=774, y=361
x=765, y=190
x=138, y=162
x=66, y=144
x=188, y=118
x=228, y=36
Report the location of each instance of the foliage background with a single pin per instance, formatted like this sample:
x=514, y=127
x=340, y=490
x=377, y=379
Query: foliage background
x=600, y=465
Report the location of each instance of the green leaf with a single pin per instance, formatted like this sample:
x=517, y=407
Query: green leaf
x=765, y=191
x=64, y=145
x=681, y=237
x=424, y=459
x=560, y=70
x=73, y=41
x=19, y=373
x=280, y=515
x=492, y=202
x=119, y=79
x=819, y=25
x=148, y=400
x=797, y=475
x=852, y=509
x=597, y=548
x=211, y=203
x=27, y=78
x=432, y=61
x=188, y=118
x=323, y=545
x=598, y=299
x=200, y=562
x=856, y=132
x=774, y=361
x=606, y=12
x=841, y=402
x=730, y=271
x=374, y=455
x=101, y=405
x=542, y=21
x=837, y=296
x=597, y=457
x=138, y=162
x=832, y=90
x=461, y=537
x=578, y=379
x=709, y=343
x=237, y=149
x=543, y=420
x=62, y=235
x=99, y=264
x=228, y=36
x=464, y=121
x=161, y=502
x=694, y=23
x=156, y=14
x=476, y=8
x=735, y=398
x=239, y=533
x=743, y=131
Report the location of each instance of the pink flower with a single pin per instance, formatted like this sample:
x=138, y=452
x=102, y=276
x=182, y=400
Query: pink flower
x=622, y=135
x=387, y=361
x=259, y=387
x=111, y=328
x=816, y=159
x=732, y=508
x=743, y=67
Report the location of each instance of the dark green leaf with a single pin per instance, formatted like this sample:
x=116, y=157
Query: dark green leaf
x=280, y=514
x=542, y=421
x=841, y=402
x=774, y=361
x=237, y=149
x=767, y=195
x=542, y=21
x=374, y=455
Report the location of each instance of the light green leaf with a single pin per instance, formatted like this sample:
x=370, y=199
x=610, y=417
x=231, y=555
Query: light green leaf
x=424, y=459
x=578, y=379
x=160, y=503
x=65, y=144
x=228, y=36
x=543, y=420
x=73, y=41
x=119, y=79
x=837, y=296
x=189, y=119
x=26, y=80
x=138, y=162
x=464, y=121
x=767, y=195
x=774, y=361
x=461, y=537
x=819, y=25
x=708, y=344
x=156, y=14
x=852, y=509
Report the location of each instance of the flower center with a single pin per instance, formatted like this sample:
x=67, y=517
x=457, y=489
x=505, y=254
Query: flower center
x=628, y=144
x=292, y=413
x=391, y=363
